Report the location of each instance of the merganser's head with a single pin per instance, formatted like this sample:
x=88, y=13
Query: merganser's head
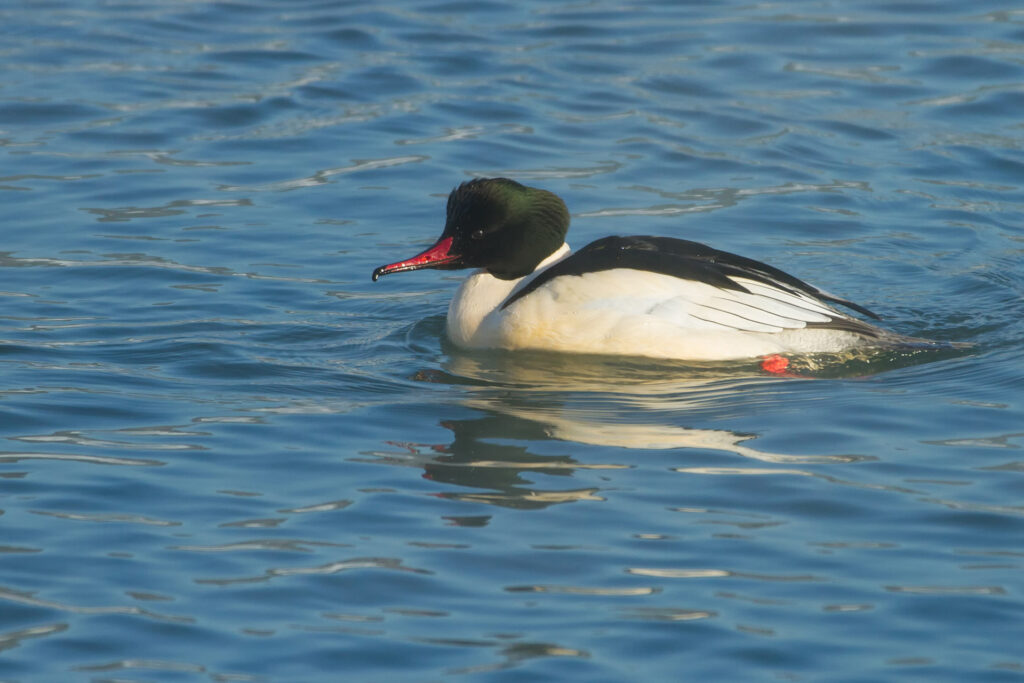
x=496, y=224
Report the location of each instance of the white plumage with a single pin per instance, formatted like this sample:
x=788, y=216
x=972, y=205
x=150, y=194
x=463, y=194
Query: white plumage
x=635, y=312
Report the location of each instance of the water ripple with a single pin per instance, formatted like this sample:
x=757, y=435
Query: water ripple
x=209, y=407
x=25, y=598
x=322, y=176
x=18, y=456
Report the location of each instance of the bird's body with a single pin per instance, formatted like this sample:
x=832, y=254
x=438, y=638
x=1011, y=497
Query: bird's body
x=640, y=296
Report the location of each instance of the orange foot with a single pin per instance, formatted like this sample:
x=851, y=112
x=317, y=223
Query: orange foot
x=775, y=364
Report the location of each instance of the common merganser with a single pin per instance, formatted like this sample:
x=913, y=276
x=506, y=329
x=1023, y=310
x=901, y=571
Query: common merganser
x=648, y=296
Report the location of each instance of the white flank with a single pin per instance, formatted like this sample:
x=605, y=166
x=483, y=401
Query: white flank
x=640, y=313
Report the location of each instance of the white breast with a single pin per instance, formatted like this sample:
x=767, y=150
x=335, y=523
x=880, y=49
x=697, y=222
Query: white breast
x=478, y=299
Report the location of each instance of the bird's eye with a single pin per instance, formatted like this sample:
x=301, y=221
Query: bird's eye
x=477, y=235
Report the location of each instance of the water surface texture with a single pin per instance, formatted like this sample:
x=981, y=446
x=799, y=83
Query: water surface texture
x=226, y=455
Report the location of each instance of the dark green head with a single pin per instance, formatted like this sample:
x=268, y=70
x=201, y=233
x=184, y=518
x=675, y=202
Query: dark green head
x=497, y=224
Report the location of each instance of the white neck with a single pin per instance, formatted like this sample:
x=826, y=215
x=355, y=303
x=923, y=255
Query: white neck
x=482, y=293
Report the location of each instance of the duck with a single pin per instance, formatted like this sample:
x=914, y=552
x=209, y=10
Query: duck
x=645, y=296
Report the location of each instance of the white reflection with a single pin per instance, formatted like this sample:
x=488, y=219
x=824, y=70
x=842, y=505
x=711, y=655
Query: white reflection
x=624, y=403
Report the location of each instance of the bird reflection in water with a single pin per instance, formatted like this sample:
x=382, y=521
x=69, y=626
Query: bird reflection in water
x=527, y=402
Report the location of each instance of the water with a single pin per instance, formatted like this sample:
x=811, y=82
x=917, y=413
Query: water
x=229, y=456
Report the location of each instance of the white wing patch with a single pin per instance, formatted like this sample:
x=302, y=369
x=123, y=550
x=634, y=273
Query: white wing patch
x=804, y=304
x=700, y=306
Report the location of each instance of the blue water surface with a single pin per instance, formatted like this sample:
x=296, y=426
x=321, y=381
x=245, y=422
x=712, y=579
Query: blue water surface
x=228, y=456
